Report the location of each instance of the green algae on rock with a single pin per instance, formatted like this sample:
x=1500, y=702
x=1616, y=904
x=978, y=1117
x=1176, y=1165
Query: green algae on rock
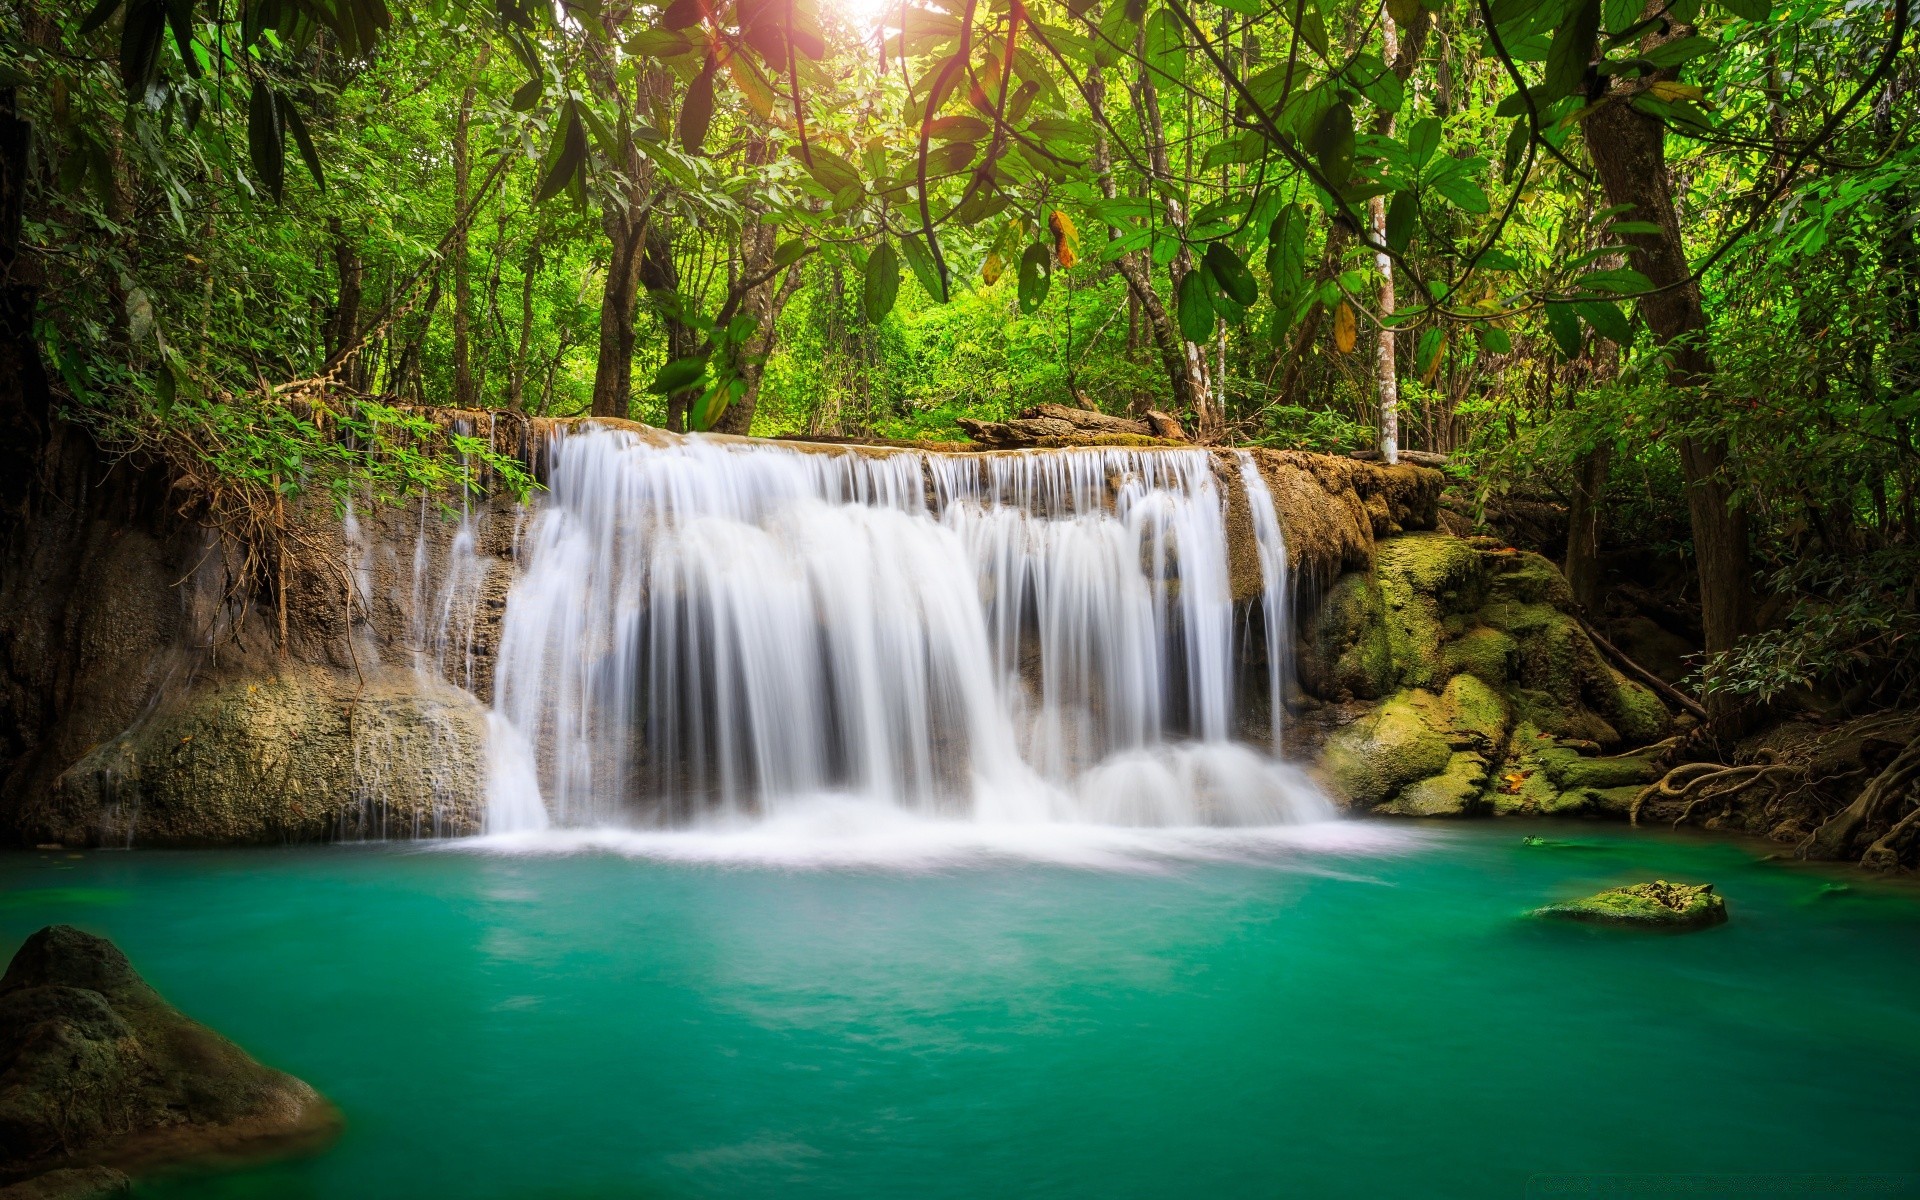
x=97, y=1070
x=1656, y=905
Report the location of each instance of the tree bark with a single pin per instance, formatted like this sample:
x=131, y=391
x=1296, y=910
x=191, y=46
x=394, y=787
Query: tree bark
x=1628, y=149
x=344, y=327
x=658, y=271
x=762, y=302
x=463, y=388
x=1583, y=524
x=1193, y=386
x=626, y=217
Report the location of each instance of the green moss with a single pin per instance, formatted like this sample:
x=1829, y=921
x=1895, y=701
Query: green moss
x=1570, y=769
x=1656, y=905
x=1455, y=792
x=1424, y=578
x=1344, y=646
x=1528, y=579
x=1487, y=654
x=1637, y=713
x=1470, y=706
x=1376, y=757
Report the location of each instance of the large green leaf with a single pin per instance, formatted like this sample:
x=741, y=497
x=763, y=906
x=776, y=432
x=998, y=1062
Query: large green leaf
x=1036, y=276
x=1195, y=307
x=1287, y=254
x=1752, y=10
x=1564, y=324
x=1572, y=49
x=924, y=268
x=266, y=141
x=882, y=282
x=678, y=375
x=1230, y=272
x=1333, y=143
x=1166, y=53
x=1403, y=217
x=1607, y=320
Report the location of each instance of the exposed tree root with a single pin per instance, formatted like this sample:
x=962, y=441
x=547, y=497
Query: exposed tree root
x=1701, y=783
x=1877, y=807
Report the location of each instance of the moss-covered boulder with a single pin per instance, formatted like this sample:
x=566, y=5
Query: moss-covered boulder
x=1656, y=905
x=1479, y=648
x=73, y=1183
x=95, y=1068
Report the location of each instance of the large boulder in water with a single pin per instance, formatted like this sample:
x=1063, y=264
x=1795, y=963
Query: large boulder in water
x=97, y=1069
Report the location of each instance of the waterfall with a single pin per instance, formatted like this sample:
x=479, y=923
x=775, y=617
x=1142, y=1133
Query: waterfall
x=709, y=632
x=1276, y=599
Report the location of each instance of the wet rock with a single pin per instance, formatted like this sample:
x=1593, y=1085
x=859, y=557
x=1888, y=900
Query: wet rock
x=1656, y=905
x=76, y=1183
x=304, y=754
x=97, y=1069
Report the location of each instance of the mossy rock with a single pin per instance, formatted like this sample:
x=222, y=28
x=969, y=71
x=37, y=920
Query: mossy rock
x=1527, y=578
x=1376, y=757
x=1457, y=791
x=1344, y=645
x=1425, y=579
x=1569, y=768
x=1485, y=653
x=1656, y=905
x=96, y=1068
x=1468, y=705
x=74, y=1183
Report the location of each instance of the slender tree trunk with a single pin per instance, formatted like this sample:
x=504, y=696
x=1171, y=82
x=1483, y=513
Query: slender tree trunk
x=344, y=327
x=1628, y=149
x=627, y=221
x=25, y=403
x=660, y=274
x=463, y=389
x=1584, y=509
x=762, y=302
x=1192, y=384
x=517, y=383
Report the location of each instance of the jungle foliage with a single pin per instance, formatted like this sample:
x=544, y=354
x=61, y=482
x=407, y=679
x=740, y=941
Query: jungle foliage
x=1654, y=260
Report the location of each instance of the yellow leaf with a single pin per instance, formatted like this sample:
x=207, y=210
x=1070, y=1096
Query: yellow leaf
x=1344, y=331
x=1666, y=89
x=990, y=270
x=1065, y=238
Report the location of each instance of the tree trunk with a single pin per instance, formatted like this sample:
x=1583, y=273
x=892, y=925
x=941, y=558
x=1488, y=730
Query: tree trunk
x=517, y=381
x=25, y=403
x=1628, y=149
x=626, y=219
x=343, y=330
x=1583, y=524
x=763, y=301
x=463, y=389
x=660, y=274
x=1193, y=388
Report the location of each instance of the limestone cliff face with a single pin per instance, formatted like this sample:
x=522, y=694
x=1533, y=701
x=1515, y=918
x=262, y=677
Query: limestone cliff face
x=1458, y=681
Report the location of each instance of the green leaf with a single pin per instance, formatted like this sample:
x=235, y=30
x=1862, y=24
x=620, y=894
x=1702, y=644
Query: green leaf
x=1751, y=10
x=882, y=283
x=1672, y=54
x=696, y=111
x=1036, y=276
x=678, y=375
x=1231, y=273
x=528, y=95
x=1287, y=255
x=1516, y=149
x=1166, y=52
x=1423, y=142
x=924, y=269
x=1493, y=339
x=1403, y=216
x=1564, y=324
x=1625, y=227
x=1377, y=82
x=564, y=160
x=1333, y=143
x=99, y=16
x=1195, y=308
x=789, y=252
x=297, y=125
x=1620, y=280
x=266, y=142
x=1427, y=353
x=1607, y=320
x=1572, y=49
x=1465, y=194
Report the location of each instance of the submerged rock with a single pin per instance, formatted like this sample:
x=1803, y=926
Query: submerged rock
x=97, y=1069
x=1656, y=905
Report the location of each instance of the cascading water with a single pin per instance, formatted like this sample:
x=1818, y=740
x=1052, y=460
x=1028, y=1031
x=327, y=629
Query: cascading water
x=709, y=631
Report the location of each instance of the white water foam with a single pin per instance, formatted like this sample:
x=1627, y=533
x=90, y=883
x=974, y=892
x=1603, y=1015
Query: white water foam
x=839, y=651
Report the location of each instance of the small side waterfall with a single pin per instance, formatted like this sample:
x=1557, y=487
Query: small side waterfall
x=709, y=631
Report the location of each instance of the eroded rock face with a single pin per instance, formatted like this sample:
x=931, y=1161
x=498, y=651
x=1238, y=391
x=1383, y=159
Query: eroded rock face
x=1470, y=688
x=305, y=753
x=1656, y=905
x=95, y=1068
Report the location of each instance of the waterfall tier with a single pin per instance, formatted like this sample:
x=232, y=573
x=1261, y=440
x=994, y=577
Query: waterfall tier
x=708, y=630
